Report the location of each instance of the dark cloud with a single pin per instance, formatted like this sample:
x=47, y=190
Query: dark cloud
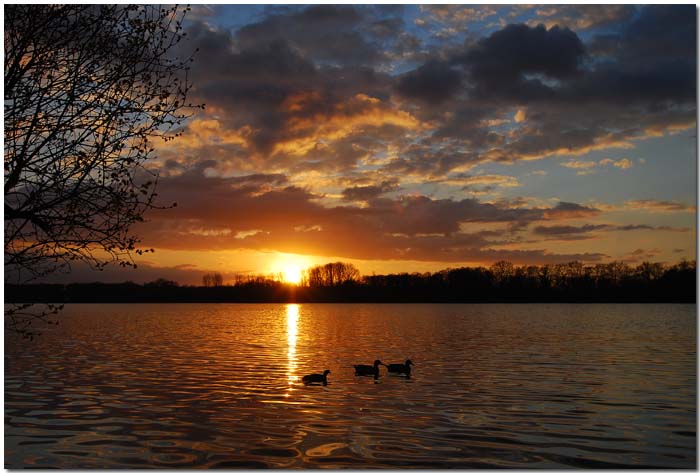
x=366, y=193
x=335, y=34
x=572, y=232
x=559, y=230
x=661, y=31
x=516, y=50
x=617, y=88
x=645, y=83
x=653, y=59
x=276, y=79
x=277, y=91
x=665, y=228
x=431, y=161
x=433, y=82
x=516, y=63
x=571, y=210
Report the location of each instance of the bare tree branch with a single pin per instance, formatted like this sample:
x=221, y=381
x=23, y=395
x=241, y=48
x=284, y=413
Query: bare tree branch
x=86, y=88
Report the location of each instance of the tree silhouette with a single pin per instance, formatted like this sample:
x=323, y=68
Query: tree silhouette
x=568, y=282
x=501, y=270
x=212, y=280
x=330, y=274
x=86, y=88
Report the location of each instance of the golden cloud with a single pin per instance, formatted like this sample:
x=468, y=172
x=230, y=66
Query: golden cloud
x=651, y=205
x=344, y=120
x=586, y=167
x=485, y=179
x=520, y=115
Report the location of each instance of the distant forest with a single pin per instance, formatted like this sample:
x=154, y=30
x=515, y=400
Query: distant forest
x=342, y=282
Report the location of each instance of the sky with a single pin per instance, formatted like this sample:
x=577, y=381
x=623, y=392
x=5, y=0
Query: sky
x=415, y=138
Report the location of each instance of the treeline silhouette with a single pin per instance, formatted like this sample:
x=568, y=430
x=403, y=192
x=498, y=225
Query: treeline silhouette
x=341, y=282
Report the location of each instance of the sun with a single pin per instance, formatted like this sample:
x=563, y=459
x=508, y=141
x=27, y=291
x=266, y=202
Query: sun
x=290, y=267
x=292, y=274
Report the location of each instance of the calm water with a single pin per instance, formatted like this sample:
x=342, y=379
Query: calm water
x=218, y=385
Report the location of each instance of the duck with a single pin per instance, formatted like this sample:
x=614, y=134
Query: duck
x=368, y=370
x=400, y=368
x=316, y=378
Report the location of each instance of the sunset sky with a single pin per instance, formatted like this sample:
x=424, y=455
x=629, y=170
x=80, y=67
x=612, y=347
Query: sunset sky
x=415, y=138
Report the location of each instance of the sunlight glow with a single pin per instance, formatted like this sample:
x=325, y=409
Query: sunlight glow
x=292, y=274
x=290, y=267
x=292, y=327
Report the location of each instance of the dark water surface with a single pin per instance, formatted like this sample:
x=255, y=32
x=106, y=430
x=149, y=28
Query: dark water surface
x=218, y=385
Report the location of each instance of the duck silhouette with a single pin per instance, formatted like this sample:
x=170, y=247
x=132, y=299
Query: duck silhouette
x=316, y=378
x=368, y=370
x=400, y=368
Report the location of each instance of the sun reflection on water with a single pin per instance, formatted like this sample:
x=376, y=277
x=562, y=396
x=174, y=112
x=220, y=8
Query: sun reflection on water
x=292, y=321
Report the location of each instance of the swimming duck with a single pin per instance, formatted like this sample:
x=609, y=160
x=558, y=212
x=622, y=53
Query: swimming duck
x=368, y=370
x=316, y=378
x=399, y=368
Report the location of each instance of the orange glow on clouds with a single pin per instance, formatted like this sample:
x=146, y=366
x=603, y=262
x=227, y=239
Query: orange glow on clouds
x=347, y=118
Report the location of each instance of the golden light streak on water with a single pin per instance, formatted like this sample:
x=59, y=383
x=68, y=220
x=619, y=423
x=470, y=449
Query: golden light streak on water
x=292, y=329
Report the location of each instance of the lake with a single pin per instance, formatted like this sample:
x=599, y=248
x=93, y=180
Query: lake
x=218, y=385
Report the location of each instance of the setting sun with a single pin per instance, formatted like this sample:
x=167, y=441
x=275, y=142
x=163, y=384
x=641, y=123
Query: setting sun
x=290, y=267
x=292, y=274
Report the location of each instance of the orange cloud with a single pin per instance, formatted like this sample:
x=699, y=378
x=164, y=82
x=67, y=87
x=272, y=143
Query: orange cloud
x=520, y=115
x=586, y=167
x=573, y=164
x=207, y=131
x=651, y=205
x=344, y=119
x=485, y=179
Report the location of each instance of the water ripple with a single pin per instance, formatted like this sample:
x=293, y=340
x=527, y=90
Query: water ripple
x=217, y=386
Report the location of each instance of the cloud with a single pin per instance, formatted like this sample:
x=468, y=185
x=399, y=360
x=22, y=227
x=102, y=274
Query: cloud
x=263, y=212
x=565, y=230
x=661, y=32
x=433, y=82
x=586, y=167
x=565, y=210
x=322, y=32
x=507, y=55
x=651, y=205
x=579, y=97
x=457, y=15
x=280, y=102
x=583, y=17
x=572, y=232
x=282, y=99
x=651, y=60
x=620, y=163
x=347, y=121
x=573, y=164
x=481, y=179
x=365, y=193
x=641, y=254
x=355, y=114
